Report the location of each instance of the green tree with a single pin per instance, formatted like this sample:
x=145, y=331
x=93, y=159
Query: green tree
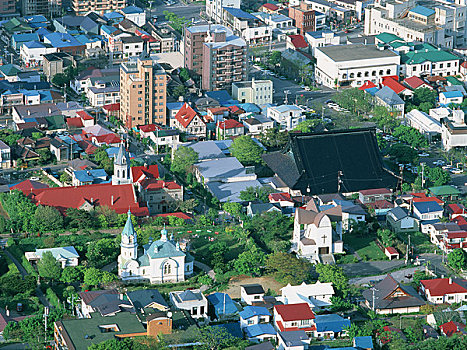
x=20, y=211
x=217, y=338
x=48, y=219
x=60, y=79
x=287, y=268
x=457, y=259
x=354, y=100
x=12, y=284
x=36, y=135
x=307, y=125
x=45, y=156
x=102, y=158
x=92, y=276
x=403, y=153
x=250, y=261
x=178, y=91
x=101, y=252
x=71, y=274
x=335, y=275
x=424, y=95
x=411, y=136
x=268, y=229
x=48, y=267
x=275, y=58
x=247, y=151
x=183, y=160
x=184, y=74
x=341, y=304
x=80, y=219
x=176, y=22
x=385, y=120
x=274, y=138
x=65, y=178
x=234, y=209
x=387, y=236
x=256, y=193
x=437, y=176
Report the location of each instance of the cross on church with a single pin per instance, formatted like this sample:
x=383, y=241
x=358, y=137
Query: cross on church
x=324, y=238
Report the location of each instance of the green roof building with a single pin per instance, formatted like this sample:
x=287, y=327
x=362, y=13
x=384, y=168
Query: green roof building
x=446, y=191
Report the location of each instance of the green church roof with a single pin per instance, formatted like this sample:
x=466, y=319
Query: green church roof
x=129, y=230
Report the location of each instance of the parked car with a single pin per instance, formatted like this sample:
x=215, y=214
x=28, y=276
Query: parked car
x=424, y=154
x=456, y=171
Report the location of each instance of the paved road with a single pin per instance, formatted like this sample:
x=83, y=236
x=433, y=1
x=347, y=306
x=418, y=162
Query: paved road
x=180, y=9
x=209, y=271
x=436, y=264
x=398, y=275
x=23, y=273
x=371, y=268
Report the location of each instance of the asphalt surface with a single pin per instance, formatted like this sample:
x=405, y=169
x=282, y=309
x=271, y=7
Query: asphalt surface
x=180, y=9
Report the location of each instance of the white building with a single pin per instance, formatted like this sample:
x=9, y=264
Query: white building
x=454, y=131
x=259, y=92
x=444, y=290
x=426, y=60
x=132, y=46
x=343, y=65
x=448, y=97
x=316, y=295
x=161, y=261
x=281, y=25
x=321, y=39
x=423, y=122
x=214, y=8
x=257, y=125
x=251, y=293
x=249, y=27
x=192, y=301
x=426, y=211
x=32, y=53
x=286, y=116
x=100, y=96
x=135, y=14
x=252, y=315
x=66, y=256
x=5, y=155
x=403, y=19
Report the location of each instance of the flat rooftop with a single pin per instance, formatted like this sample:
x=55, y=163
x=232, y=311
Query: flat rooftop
x=355, y=52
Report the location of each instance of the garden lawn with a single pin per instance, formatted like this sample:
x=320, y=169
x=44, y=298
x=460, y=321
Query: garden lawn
x=365, y=246
x=420, y=241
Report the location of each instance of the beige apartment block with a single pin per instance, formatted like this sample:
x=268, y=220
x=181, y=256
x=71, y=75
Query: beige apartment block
x=143, y=93
x=81, y=7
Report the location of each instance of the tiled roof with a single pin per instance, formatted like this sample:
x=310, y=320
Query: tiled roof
x=443, y=286
x=368, y=85
x=270, y=7
x=414, y=82
x=392, y=250
x=294, y=312
x=252, y=311
x=451, y=328
x=427, y=207
x=141, y=172
x=185, y=115
x=229, y=124
x=27, y=186
x=393, y=85
x=298, y=41
x=117, y=197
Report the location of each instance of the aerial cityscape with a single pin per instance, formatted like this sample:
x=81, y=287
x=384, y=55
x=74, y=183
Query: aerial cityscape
x=233, y=174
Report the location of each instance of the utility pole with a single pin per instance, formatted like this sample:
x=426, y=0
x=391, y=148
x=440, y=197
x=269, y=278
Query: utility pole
x=401, y=172
x=322, y=112
x=423, y=174
x=407, y=253
x=46, y=314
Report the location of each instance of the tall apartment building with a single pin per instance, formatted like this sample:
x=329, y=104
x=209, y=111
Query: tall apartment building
x=41, y=7
x=304, y=17
x=143, y=92
x=81, y=7
x=214, y=8
x=7, y=8
x=218, y=56
x=408, y=21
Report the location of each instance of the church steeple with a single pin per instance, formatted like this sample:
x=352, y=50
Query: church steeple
x=129, y=244
x=122, y=174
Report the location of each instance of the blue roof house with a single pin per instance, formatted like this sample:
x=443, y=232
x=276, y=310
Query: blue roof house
x=66, y=256
x=221, y=305
x=388, y=98
x=113, y=17
x=448, y=97
x=253, y=315
x=424, y=211
x=330, y=326
x=19, y=39
x=260, y=332
x=89, y=177
x=365, y=343
x=421, y=13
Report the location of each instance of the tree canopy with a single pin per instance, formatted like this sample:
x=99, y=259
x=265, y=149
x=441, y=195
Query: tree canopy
x=410, y=136
x=48, y=267
x=247, y=151
x=183, y=160
x=287, y=268
x=457, y=259
x=335, y=275
x=256, y=193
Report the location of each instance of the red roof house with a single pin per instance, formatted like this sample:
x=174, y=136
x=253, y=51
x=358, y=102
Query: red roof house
x=296, y=42
x=454, y=210
x=189, y=121
x=120, y=198
x=391, y=253
x=27, y=186
x=415, y=83
x=395, y=86
x=448, y=329
x=368, y=85
x=444, y=290
x=74, y=123
x=269, y=8
x=282, y=198
x=294, y=317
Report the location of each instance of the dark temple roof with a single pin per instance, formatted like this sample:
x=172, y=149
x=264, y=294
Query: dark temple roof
x=314, y=160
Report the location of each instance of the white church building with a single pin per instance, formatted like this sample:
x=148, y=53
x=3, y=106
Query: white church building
x=314, y=237
x=160, y=261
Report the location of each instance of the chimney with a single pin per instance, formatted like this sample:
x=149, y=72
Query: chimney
x=450, y=280
x=146, y=165
x=50, y=110
x=92, y=200
x=112, y=200
x=29, y=112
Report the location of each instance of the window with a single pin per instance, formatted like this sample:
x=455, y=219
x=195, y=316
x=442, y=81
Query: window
x=109, y=328
x=167, y=269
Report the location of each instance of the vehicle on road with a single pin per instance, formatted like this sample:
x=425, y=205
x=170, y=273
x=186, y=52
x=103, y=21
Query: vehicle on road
x=424, y=154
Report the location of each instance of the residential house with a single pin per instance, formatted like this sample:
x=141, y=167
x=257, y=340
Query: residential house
x=259, y=92
x=88, y=177
x=251, y=293
x=424, y=123
x=331, y=326
x=294, y=317
x=257, y=124
x=134, y=14
x=444, y=290
x=192, y=301
x=286, y=116
x=259, y=208
x=66, y=256
x=221, y=305
x=451, y=328
x=399, y=220
x=451, y=97
x=390, y=297
x=252, y=315
x=317, y=295
x=424, y=211
x=386, y=97
x=105, y=302
x=414, y=82
x=445, y=192
x=260, y=332
x=454, y=210
x=293, y=340
x=229, y=128
x=142, y=299
x=187, y=120
x=5, y=156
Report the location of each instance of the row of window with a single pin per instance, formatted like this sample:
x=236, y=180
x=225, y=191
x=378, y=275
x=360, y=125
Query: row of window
x=366, y=74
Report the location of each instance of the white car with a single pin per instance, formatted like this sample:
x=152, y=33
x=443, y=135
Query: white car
x=456, y=171
x=423, y=154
